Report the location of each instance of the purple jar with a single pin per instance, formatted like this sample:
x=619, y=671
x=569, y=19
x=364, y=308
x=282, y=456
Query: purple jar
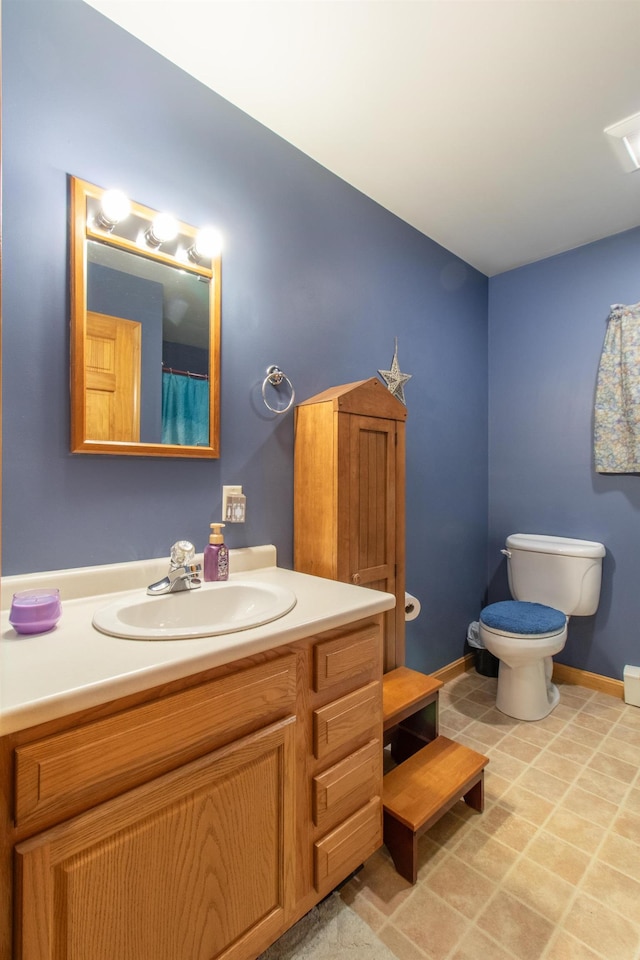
x=35, y=611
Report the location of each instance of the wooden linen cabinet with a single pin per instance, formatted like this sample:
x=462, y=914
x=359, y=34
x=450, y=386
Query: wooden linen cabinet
x=349, y=499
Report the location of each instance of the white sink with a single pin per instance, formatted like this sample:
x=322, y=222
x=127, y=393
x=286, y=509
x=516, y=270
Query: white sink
x=210, y=610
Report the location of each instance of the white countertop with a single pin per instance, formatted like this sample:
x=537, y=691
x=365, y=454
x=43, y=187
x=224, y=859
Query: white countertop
x=75, y=666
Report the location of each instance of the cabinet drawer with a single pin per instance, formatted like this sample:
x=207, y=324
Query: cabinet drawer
x=354, y=717
x=351, y=655
x=347, y=785
x=97, y=760
x=346, y=847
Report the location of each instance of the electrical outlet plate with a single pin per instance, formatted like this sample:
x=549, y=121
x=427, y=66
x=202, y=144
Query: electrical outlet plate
x=228, y=491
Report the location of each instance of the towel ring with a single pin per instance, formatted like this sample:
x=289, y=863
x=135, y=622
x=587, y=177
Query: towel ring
x=275, y=377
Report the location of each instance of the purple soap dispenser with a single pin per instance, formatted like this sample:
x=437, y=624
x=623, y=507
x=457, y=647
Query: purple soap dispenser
x=216, y=555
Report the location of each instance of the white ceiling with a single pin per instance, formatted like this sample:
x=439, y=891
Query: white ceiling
x=479, y=122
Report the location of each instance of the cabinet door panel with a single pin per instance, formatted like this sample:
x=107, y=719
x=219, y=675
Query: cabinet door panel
x=372, y=500
x=195, y=865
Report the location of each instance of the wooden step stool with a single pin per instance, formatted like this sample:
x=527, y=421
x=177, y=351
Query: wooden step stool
x=419, y=791
x=410, y=711
x=433, y=773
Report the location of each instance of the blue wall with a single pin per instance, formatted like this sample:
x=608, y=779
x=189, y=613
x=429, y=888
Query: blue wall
x=546, y=329
x=316, y=278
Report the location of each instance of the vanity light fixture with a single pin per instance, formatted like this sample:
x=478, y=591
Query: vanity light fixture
x=114, y=207
x=627, y=133
x=163, y=228
x=207, y=245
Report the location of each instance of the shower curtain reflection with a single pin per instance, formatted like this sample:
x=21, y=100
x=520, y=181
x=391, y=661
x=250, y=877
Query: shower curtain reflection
x=185, y=410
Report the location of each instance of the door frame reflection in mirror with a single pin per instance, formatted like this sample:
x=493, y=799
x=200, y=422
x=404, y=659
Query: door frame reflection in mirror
x=130, y=236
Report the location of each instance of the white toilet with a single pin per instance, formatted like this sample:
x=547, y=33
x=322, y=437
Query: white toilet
x=551, y=579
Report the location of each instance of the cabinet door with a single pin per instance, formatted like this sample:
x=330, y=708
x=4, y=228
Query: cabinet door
x=370, y=558
x=196, y=865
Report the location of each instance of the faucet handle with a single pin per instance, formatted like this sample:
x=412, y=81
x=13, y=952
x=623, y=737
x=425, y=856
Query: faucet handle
x=182, y=553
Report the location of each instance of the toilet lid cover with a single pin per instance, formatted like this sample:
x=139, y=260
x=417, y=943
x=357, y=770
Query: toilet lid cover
x=520, y=616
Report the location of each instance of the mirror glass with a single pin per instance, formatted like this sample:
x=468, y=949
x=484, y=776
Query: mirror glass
x=145, y=332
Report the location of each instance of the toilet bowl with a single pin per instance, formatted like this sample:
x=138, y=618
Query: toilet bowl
x=524, y=650
x=551, y=579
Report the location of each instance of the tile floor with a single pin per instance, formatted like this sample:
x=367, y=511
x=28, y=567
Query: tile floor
x=551, y=869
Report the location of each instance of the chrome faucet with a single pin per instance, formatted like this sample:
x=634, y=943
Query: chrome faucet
x=183, y=572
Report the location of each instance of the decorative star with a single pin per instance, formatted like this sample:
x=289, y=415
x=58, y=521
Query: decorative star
x=394, y=379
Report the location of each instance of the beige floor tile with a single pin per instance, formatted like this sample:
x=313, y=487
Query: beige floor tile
x=400, y=945
x=461, y=887
x=453, y=720
x=482, y=733
x=627, y=750
x=532, y=733
x=518, y=748
x=364, y=908
x=557, y=765
x=589, y=806
x=431, y=854
x=484, y=697
x=543, y=784
x=486, y=854
x=612, y=710
x=631, y=718
x=564, y=712
x=632, y=802
x=554, y=723
x=516, y=927
x=624, y=733
x=622, y=854
x=628, y=825
x=379, y=885
x=528, y=805
x=469, y=708
x=430, y=923
x=613, y=888
x=568, y=826
x=613, y=767
x=579, y=693
x=597, y=926
x=447, y=831
x=571, y=750
x=476, y=945
x=574, y=731
x=505, y=766
x=495, y=787
x=494, y=717
x=598, y=725
x=565, y=947
x=558, y=856
x=503, y=825
x=605, y=787
x=539, y=888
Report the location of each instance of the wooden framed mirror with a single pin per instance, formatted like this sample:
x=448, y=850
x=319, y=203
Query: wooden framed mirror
x=145, y=331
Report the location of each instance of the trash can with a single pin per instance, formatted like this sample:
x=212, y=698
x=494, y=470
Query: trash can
x=485, y=663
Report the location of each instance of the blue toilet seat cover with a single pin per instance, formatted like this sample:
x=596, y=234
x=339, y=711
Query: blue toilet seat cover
x=520, y=616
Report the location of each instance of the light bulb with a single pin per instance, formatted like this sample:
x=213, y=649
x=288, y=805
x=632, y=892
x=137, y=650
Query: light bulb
x=163, y=228
x=207, y=245
x=114, y=207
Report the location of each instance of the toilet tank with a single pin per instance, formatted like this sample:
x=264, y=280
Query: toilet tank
x=558, y=571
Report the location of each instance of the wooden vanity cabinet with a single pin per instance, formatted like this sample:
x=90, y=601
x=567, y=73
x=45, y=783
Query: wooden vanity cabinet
x=200, y=820
x=349, y=495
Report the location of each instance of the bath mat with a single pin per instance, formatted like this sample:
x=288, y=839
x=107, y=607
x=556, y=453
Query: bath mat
x=330, y=930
